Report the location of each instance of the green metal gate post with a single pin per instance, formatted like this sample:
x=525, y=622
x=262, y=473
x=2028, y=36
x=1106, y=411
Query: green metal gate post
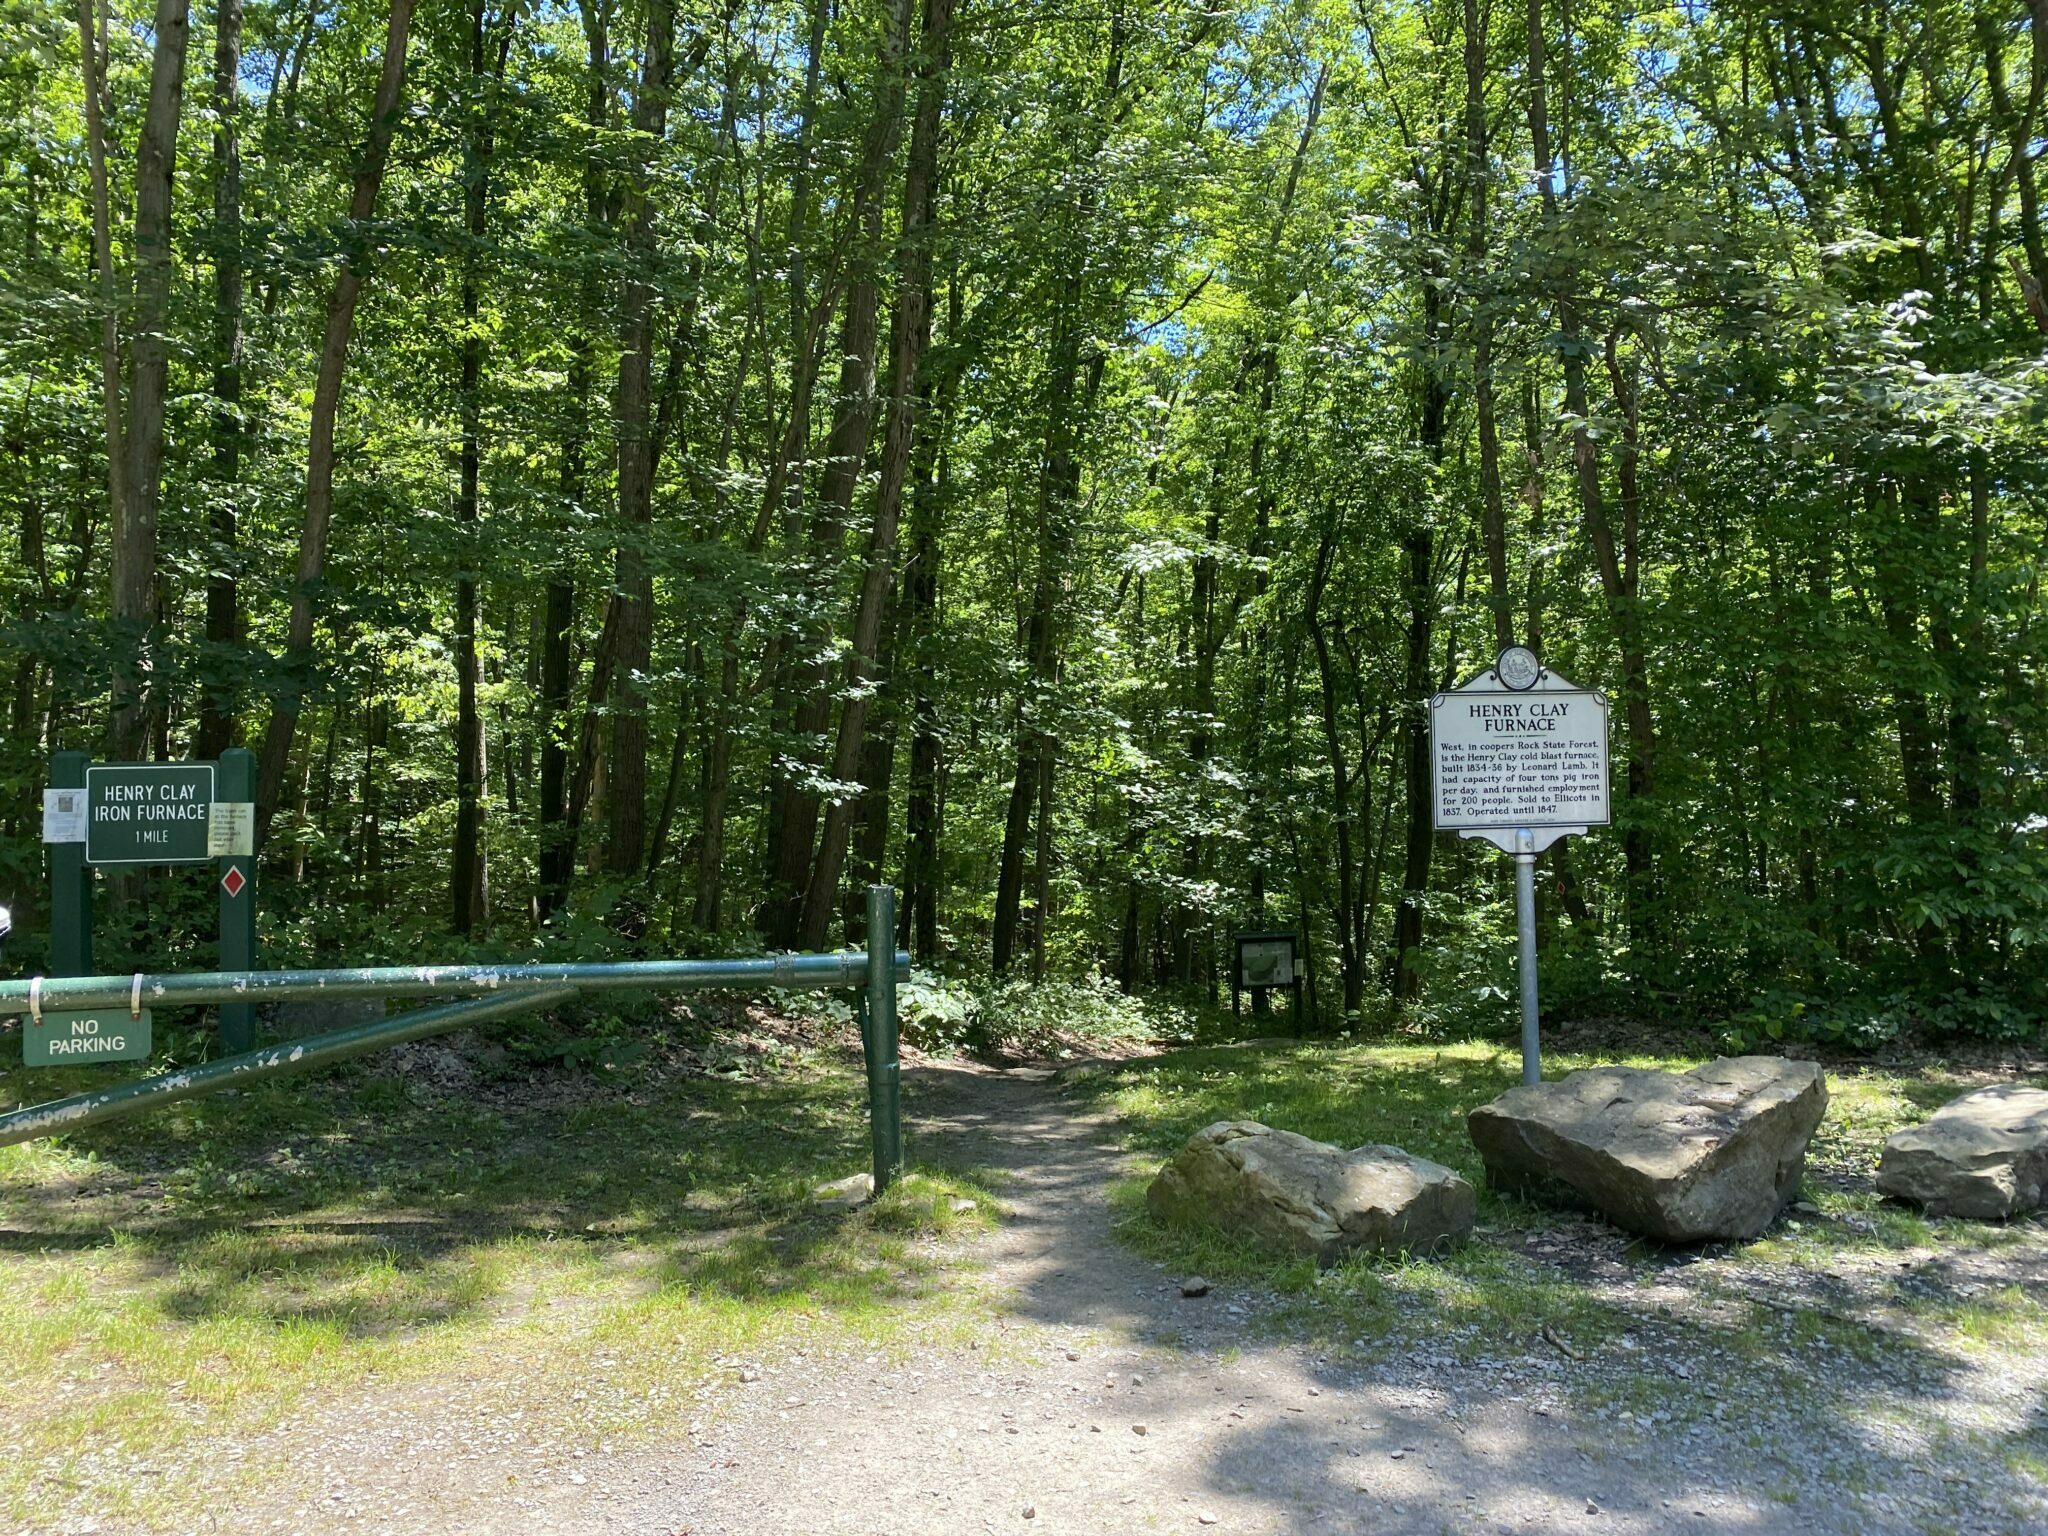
x=70, y=883
x=235, y=780
x=879, y=1039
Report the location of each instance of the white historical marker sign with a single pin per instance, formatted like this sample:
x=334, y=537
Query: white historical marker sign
x=1508, y=760
x=1519, y=758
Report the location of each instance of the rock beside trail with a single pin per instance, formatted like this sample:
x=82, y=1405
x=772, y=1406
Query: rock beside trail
x=1983, y=1156
x=1309, y=1196
x=845, y=1194
x=1685, y=1157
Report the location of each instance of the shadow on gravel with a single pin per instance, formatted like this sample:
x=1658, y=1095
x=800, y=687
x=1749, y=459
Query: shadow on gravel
x=344, y=1199
x=1705, y=1377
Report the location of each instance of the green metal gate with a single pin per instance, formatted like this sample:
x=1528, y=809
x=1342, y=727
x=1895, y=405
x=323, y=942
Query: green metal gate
x=491, y=992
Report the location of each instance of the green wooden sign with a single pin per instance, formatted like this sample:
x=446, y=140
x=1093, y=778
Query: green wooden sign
x=147, y=813
x=66, y=1039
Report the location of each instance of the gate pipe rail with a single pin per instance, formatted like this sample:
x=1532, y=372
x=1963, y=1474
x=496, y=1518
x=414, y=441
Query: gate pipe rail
x=493, y=992
x=83, y=1109
x=842, y=968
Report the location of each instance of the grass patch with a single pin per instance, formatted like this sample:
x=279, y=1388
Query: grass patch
x=230, y=1264
x=1415, y=1097
x=1502, y=1291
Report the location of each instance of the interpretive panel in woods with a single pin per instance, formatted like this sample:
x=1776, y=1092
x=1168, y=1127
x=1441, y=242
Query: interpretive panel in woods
x=1265, y=960
x=1519, y=759
x=148, y=813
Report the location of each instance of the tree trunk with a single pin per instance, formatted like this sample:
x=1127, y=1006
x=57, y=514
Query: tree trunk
x=557, y=827
x=921, y=583
x=1902, y=557
x=92, y=38
x=470, y=877
x=22, y=722
x=870, y=837
x=679, y=750
x=313, y=534
x=1058, y=491
x=557, y=837
x=1350, y=961
x=705, y=914
x=1614, y=579
x=1041, y=859
x=1059, y=483
x=787, y=470
x=1636, y=848
x=1492, y=514
x=223, y=608
x=910, y=331
x=626, y=821
x=1419, y=553
x=1201, y=707
x=789, y=912
x=136, y=683
x=784, y=493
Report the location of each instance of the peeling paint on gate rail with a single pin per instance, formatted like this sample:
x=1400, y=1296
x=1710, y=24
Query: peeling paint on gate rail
x=841, y=968
x=85, y=1109
x=492, y=991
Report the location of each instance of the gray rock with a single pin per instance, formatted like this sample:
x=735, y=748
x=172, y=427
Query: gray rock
x=1983, y=1156
x=847, y=1193
x=1309, y=1196
x=1684, y=1157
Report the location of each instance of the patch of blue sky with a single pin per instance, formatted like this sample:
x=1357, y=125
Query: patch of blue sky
x=1176, y=337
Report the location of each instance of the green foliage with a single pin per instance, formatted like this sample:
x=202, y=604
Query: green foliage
x=940, y=1016
x=1781, y=1018
x=1197, y=497
x=1055, y=1019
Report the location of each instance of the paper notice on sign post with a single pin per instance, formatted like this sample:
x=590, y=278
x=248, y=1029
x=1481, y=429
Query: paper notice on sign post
x=63, y=815
x=231, y=829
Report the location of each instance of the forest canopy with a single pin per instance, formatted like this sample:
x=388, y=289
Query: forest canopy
x=638, y=471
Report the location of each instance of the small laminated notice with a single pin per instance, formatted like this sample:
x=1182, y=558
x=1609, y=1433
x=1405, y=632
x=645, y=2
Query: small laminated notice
x=63, y=815
x=231, y=829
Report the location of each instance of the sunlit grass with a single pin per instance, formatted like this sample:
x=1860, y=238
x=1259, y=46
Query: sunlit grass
x=175, y=1282
x=1493, y=1294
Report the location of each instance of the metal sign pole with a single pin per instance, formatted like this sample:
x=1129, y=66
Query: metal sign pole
x=1525, y=928
x=70, y=882
x=237, y=786
x=1518, y=757
x=879, y=1040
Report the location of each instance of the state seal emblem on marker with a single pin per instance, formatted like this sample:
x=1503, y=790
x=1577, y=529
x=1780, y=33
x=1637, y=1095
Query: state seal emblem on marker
x=1518, y=668
x=1518, y=758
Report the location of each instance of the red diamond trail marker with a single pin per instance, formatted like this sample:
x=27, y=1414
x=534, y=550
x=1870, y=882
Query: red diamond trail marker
x=233, y=881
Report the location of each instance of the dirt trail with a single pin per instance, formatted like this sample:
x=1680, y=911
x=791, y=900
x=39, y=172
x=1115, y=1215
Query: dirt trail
x=1105, y=1402
x=1098, y=1400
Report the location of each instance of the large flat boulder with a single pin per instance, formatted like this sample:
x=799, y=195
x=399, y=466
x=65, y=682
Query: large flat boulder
x=1312, y=1197
x=1685, y=1157
x=1984, y=1156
